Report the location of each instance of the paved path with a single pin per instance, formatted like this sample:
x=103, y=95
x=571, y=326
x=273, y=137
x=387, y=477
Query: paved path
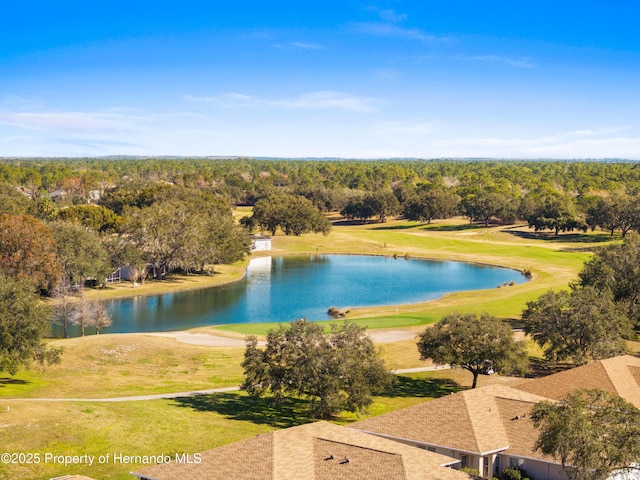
x=137, y=398
x=206, y=339
x=213, y=340
x=193, y=393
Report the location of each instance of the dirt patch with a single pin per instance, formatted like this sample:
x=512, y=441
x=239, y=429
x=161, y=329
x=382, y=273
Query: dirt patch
x=205, y=339
x=390, y=336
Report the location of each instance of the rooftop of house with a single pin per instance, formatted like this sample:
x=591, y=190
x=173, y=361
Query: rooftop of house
x=316, y=451
x=480, y=421
x=618, y=375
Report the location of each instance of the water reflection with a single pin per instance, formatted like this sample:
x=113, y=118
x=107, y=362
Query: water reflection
x=283, y=288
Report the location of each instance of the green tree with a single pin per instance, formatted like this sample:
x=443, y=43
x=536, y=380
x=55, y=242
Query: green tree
x=132, y=194
x=80, y=252
x=592, y=432
x=186, y=232
x=579, y=326
x=555, y=212
x=616, y=268
x=28, y=251
x=476, y=344
x=293, y=214
x=486, y=205
x=98, y=218
x=15, y=203
x=122, y=252
x=381, y=204
x=337, y=371
x=430, y=204
x=24, y=320
x=616, y=212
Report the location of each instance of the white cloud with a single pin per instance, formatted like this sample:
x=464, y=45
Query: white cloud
x=68, y=121
x=392, y=30
x=392, y=16
x=575, y=144
x=522, y=62
x=306, y=46
x=325, y=100
x=405, y=128
x=321, y=100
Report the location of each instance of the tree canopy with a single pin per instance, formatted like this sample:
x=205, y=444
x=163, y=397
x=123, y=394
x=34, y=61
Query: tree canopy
x=592, y=432
x=81, y=254
x=28, y=251
x=24, y=320
x=616, y=269
x=477, y=344
x=430, y=204
x=555, y=212
x=293, y=214
x=337, y=371
x=579, y=326
x=485, y=205
x=187, y=230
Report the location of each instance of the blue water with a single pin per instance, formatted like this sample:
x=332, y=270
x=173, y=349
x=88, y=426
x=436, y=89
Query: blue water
x=281, y=289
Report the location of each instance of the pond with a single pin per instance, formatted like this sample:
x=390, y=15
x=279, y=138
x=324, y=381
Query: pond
x=281, y=289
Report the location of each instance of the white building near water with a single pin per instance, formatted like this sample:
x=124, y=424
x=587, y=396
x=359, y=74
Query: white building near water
x=260, y=243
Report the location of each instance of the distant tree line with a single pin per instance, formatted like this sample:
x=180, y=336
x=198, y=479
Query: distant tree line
x=548, y=195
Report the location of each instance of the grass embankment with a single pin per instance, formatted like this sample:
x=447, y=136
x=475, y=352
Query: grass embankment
x=136, y=364
x=222, y=275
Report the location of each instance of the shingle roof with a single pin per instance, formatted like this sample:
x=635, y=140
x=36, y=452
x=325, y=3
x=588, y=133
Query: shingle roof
x=314, y=451
x=471, y=421
x=618, y=375
x=516, y=420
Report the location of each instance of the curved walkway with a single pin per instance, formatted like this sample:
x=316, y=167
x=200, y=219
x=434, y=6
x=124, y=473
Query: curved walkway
x=193, y=393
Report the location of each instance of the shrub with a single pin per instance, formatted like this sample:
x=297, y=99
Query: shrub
x=514, y=473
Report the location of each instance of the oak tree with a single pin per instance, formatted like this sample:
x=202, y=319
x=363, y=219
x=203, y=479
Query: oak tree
x=592, y=432
x=28, y=251
x=24, y=320
x=337, y=371
x=582, y=325
x=477, y=344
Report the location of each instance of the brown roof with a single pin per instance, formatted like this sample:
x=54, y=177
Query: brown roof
x=516, y=420
x=472, y=421
x=316, y=451
x=618, y=375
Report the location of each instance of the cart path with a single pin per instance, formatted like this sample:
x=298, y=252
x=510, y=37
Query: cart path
x=213, y=340
x=193, y=393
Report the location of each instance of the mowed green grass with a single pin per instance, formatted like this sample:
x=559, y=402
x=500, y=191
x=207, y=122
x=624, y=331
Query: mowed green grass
x=183, y=425
x=102, y=366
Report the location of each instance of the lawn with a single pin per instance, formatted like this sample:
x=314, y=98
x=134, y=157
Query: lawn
x=166, y=427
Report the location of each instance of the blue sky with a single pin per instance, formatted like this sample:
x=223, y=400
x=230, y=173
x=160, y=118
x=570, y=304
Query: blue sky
x=358, y=79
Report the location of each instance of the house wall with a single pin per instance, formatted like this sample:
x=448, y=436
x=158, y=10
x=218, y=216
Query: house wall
x=536, y=468
x=261, y=245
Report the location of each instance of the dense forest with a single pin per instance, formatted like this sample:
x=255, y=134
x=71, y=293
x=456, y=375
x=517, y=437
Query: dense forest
x=87, y=217
x=555, y=195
